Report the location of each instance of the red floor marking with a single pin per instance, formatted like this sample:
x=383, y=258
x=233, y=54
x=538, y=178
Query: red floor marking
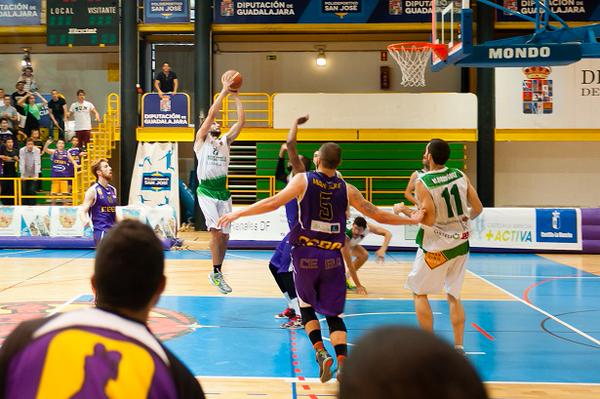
x=534, y=285
x=483, y=332
x=294, y=363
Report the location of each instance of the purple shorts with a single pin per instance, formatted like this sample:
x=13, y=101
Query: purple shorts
x=282, y=257
x=98, y=235
x=320, y=279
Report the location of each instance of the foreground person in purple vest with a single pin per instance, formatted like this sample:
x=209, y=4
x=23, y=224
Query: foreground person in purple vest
x=100, y=201
x=106, y=351
x=317, y=239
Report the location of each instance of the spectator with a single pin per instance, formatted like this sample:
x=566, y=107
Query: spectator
x=9, y=155
x=9, y=112
x=32, y=111
x=5, y=133
x=27, y=77
x=62, y=165
x=30, y=167
x=17, y=95
x=81, y=111
x=128, y=281
x=37, y=141
x=166, y=80
x=75, y=150
x=402, y=362
x=57, y=109
x=2, y=93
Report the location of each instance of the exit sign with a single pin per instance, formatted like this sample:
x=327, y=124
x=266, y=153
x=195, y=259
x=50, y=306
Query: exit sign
x=82, y=22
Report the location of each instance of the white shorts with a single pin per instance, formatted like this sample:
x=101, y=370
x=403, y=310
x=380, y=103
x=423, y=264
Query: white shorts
x=213, y=209
x=422, y=280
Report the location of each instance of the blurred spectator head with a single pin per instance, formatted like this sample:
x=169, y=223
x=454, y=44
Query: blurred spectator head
x=31, y=100
x=54, y=93
x=9, y=143
x=75, y=141
x=35, y=134
x=4, y=124
x=166, y=67
x=397, y=362
x=2, y=93
x=29, y=144
x=6, y=98
x=129, y=268
x=20, y=85
x=81, y=94
x=60, y=145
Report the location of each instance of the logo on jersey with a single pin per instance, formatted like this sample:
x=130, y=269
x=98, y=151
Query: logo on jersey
x=537, y=90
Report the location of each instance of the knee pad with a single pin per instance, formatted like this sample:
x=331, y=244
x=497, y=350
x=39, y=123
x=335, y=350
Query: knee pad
x=335, y=323
x=308, y=314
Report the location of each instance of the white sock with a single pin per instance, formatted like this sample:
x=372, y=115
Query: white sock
x=287, y=298
x=294, y=304
x=459, y=347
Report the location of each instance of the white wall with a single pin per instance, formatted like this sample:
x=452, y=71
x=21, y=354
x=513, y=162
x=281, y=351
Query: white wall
x=547, y=174
x=378, y=111
x=346, y=72
x=66, y=73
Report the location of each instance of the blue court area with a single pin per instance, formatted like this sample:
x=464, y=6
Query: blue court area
x=548, y=332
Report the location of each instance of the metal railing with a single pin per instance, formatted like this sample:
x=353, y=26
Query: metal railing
x=250, y=189
x=257, y=106
x=20, y=193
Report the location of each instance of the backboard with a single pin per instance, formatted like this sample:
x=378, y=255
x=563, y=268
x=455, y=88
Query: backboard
x=451, y=22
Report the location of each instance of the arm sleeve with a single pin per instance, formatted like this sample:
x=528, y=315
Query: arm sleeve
x=280, y=174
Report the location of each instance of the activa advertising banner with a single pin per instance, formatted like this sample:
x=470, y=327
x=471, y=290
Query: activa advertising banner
x=166, y=111
x=544, y=97
x=321, y=11
x=569, y=10
x=155, y=181
x=499, y=228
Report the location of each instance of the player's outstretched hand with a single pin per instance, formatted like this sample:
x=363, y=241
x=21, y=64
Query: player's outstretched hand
x=399, y=208
x=302, y=120
x=227, y=219
x=360, y=290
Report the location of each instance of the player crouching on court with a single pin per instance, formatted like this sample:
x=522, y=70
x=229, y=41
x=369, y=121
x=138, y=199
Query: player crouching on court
x=354, y=236
x=318, y=237
x=450, y=202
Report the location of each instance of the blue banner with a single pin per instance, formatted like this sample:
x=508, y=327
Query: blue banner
x=320, y=11
x=569, y=10
x=556, y=225
x=166, y=11
x=168, y=111
x=20, y=12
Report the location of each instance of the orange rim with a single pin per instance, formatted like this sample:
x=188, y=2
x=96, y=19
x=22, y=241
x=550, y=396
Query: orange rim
x=440, y=50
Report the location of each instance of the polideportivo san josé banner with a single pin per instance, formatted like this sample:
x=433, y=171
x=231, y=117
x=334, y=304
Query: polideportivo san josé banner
x=155, y=180
x=64, y=221
x=569, y=10
x=321, y=11
x=499, y=228
x=166, y=11
x=545, y=97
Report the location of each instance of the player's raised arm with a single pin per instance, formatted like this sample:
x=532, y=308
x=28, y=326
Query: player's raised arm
x=294, y=189
x=212, y=114
x=297, y=165
x=236, y=129
x=368, y=209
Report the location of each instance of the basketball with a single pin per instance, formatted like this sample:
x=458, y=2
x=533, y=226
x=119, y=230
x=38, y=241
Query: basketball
x=237, y=79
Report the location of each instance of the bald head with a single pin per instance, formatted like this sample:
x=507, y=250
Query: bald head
x=330, y=155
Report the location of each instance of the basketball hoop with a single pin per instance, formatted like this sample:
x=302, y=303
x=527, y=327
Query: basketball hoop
x=413, y=58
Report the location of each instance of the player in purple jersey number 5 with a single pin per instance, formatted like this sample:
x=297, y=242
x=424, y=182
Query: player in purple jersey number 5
x=323, y=200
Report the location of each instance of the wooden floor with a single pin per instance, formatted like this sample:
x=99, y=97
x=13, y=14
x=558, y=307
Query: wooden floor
x=59, y=280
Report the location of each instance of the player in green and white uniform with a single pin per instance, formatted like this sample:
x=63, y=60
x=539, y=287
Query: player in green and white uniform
x=357, y=254
x=450, y=202
x=214, y=199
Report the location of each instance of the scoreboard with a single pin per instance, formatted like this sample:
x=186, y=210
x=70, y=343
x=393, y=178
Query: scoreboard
x=82, y=22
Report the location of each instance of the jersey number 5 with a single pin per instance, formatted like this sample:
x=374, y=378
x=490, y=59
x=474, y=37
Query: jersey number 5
x=325, y=207
x=456, y=195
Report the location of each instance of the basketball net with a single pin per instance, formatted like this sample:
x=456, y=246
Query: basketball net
x=413, y=58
